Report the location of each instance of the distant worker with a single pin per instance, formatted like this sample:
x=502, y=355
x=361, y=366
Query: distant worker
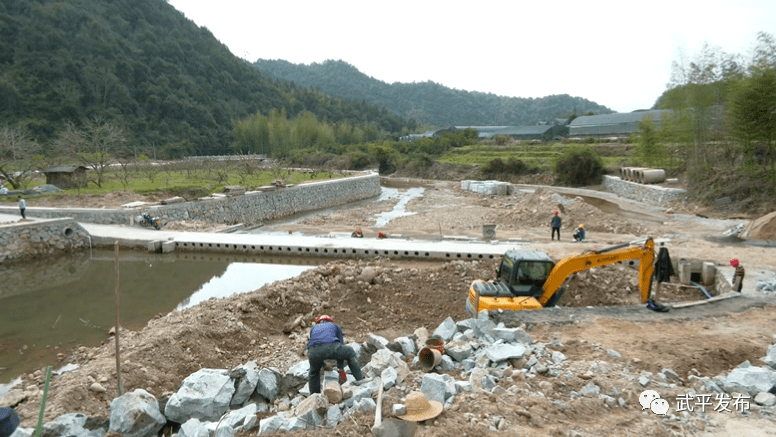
x=555, y=224
x=738, y=276
x=22, y=206
x=382, y=235
x=357, y=233
x=326, y=343
x=579, y=235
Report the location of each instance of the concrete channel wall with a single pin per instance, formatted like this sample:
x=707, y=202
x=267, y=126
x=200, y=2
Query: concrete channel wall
x=36, y=239
x=651, y=194
x=251, y=208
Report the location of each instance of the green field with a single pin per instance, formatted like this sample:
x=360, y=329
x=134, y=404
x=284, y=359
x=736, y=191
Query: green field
x=185, y=177
x=543, y=156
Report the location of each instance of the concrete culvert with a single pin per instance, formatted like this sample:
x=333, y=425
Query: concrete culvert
x=653, y=176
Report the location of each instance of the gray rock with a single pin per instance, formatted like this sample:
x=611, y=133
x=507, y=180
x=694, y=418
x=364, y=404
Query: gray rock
x=446, y=329
x=671, y=375
x=407, y=345
x=136, y=414
x=23, y=432
x=246, y=377
x=481, y=379
x=271, y=425
x=505, y=334
x=558, y=357
x=458, y=351
x=193, y=428
x=590, y=389
x=383, y=359
x=205, y=394
x=483, y=326
x=388, y=376
x=438, y=387
x=759, y=377
x=765, y=399
x=71, y=425
x=333, y=416
x=365, y=405
x=267, y=384
x=504, y=351
x=295, y=424
x=643, y=380
x=447, y=364
x=613, y=353
x=523, y=337
x=770, y=357
x=377, y=341
x=242, y=419
x=468, y=364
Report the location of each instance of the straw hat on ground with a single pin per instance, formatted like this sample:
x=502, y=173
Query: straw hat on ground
x=419, y=408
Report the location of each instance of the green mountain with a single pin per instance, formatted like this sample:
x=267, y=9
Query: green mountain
x=144, y=66
x=427, y=102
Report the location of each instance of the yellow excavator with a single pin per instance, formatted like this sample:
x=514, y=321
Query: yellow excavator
x=531, y=280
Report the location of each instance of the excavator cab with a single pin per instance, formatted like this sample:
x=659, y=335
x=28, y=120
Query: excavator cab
x=525, y=272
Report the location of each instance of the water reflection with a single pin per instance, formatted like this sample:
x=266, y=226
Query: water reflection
x=241, y=278
x=49, y=306
x=400, y=209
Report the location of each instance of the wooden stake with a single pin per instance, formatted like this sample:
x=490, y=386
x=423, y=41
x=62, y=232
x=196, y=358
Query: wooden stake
x=118, y=356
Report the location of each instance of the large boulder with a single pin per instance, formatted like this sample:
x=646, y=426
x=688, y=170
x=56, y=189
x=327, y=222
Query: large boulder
x=136, y=414
x=71, y=424
x=246, y=377
x=205, y=395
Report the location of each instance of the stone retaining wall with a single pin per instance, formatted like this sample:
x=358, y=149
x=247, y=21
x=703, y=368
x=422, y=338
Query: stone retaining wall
x=33, y=239
x=651, y=194
x=250, y=208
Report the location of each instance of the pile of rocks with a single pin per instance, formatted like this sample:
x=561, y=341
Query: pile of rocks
x=493, y=360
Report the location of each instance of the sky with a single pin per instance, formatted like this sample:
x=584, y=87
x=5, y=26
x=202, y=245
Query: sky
x=616, y=53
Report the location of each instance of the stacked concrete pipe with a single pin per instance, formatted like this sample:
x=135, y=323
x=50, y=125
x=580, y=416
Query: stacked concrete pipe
x=652, y=176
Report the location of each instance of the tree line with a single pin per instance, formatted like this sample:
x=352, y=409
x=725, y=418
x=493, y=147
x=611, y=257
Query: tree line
x=142, y=66
x=722, y=129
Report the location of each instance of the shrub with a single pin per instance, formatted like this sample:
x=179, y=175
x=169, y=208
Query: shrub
x=579, y=167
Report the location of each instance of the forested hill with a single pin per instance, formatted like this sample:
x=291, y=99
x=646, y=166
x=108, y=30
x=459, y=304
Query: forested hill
x=144, y=66
x=427, y=101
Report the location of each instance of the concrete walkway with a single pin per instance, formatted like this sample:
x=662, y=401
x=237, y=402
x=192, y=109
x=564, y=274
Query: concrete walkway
x=169, y=241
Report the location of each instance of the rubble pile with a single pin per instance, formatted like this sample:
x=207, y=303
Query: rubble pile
x=482, y=361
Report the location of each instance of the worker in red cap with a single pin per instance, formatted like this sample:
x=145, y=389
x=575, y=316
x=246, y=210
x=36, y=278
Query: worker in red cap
x=555, y=225
x=326, y=343
x=738, y=276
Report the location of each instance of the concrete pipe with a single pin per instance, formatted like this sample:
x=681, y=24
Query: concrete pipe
x=623, y=172
x=632, y=173
x=653, y=176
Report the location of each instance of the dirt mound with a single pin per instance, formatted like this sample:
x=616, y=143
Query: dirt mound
x=536, y=209
x=763, y=228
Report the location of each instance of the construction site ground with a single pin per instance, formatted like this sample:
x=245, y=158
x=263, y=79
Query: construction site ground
x=601, y=311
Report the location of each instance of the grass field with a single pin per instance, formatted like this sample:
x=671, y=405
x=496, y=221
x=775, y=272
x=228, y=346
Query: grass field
x=543, y=156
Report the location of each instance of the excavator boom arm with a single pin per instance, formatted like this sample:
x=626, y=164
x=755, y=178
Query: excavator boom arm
x=577, y=263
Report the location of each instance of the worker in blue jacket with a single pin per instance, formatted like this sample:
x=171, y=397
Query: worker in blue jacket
x=326, y=343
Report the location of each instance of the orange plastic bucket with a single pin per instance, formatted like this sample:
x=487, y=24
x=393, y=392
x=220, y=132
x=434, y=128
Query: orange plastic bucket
x=436, y=343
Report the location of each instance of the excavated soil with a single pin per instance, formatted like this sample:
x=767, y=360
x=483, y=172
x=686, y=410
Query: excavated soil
x=393, y=298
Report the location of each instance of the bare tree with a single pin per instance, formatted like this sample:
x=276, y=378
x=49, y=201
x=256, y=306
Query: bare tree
x=17, y=156
x=94, y=145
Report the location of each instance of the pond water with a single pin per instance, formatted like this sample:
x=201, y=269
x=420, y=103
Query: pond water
x=49, y=306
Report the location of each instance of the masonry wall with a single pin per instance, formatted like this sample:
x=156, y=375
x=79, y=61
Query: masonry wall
x=250, y=208
x=37, y=239
x=651, y=194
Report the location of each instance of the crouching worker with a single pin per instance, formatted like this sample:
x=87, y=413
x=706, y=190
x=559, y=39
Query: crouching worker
x=579, y=235
x=326, y=343
x=357, y=233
